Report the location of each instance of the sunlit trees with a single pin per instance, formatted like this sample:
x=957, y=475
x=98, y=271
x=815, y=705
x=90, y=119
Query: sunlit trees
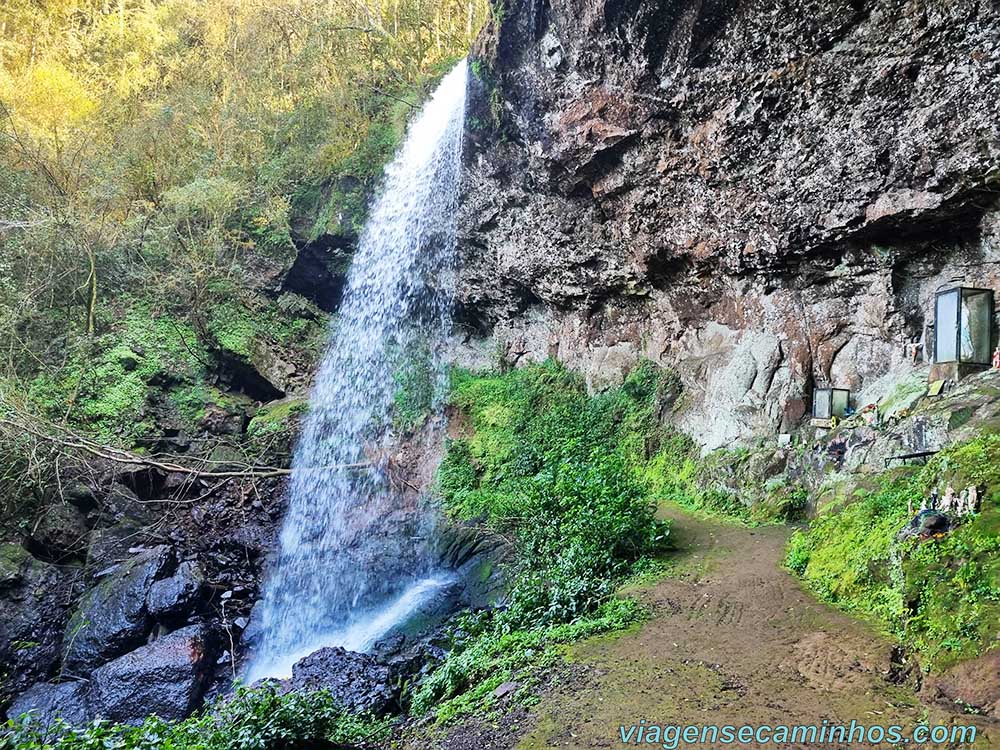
x=176, y=137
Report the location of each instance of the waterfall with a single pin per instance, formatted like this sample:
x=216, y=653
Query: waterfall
x=353, y=560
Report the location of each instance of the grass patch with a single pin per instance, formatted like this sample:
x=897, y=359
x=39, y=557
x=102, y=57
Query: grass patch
x=940, y=597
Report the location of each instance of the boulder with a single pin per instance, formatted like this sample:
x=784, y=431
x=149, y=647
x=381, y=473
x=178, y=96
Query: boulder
x=174, y=599
x=166, y=678
x=80, y=495
x=112, y=618
x=356, y=681
x=109, y=546
x=120, y=504
x=34, y=598
x=60, y=532
x=407, y=657
x=48, y=701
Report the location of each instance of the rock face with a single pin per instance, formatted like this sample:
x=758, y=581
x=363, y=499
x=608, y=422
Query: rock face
x=356, y=681
x=764, y=206
x=112, y=618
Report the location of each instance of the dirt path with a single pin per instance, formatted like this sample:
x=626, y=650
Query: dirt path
x=733, y=640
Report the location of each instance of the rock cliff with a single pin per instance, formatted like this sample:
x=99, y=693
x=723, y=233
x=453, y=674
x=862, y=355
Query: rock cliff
x=763, y=195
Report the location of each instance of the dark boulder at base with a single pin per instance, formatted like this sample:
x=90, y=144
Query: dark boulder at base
x=407, y=657
x=166, y=678
x=356, y=681
x=49, y=701
x=34, y=603
x=174, y=599
x=112, y=618
x=59, y=533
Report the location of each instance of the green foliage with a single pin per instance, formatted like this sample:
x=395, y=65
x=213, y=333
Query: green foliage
x=170, y=147
x=487, y=655
x=561, y=474
x=276, y=417
x=940, y=597
x=253, y=719
x=560, y=471
x=105, y=383
x=415, y=388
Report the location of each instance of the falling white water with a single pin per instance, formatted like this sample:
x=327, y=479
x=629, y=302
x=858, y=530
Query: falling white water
x=352, y=561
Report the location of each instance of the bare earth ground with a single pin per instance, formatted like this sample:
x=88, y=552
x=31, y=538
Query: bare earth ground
x=733, y=639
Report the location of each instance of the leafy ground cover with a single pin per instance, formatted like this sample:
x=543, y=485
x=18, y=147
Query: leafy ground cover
x=941, y=597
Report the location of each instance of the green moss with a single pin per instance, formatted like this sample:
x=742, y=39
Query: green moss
x=276, y=417
x=414, y=395
x=960, y=417
x=105, y=385
x=12, y=558
x=243, y=325
x=906, y=393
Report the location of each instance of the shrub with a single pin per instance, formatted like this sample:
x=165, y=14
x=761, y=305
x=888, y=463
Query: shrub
x=561, y=474
x=253, y=719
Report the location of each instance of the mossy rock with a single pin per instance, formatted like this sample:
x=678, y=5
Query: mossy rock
x=12, y=560
x=276, y=416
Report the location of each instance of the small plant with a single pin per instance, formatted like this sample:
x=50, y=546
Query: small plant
x=252, y=719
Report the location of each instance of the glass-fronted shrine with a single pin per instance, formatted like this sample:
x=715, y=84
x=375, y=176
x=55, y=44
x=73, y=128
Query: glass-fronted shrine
x=963, y=326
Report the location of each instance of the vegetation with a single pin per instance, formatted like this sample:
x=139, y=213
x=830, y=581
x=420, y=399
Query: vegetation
x=253, y=719
x=940, y=597
x=562, y=476
x=159, y=159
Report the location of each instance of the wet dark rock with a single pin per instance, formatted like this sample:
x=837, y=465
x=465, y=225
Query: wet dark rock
x=120, y=504
x=165, y=678
x=59, y=533
x=112, y=618
x=324, y=230
x=34, y=602
x=49, y=701
x=319, y=272
x=80, y=495
x=172, y=600
x=143, y=481
x=356, y=681
x=110, y=545
x=407, y=657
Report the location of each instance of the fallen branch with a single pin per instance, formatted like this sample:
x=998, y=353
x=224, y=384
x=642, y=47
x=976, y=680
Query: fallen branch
x=69, y=440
